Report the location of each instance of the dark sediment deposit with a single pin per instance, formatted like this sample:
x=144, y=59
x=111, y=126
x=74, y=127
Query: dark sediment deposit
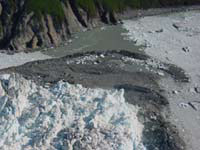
x=136, y=73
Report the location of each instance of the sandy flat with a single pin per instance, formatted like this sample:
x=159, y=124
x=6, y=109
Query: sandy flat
x=20, y=58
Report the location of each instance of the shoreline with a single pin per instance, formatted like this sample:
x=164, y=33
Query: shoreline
x=118, y=70
x=20, y=58
x=34, y=68
x=126, y=15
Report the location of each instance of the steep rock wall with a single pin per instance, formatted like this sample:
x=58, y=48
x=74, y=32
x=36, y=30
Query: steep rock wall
x=21, y=28
x=30, y=24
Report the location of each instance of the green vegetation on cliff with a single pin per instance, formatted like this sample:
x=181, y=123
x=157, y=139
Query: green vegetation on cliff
x=15, y=24
x=87, y=5
x=119, y=5
x=52, y=7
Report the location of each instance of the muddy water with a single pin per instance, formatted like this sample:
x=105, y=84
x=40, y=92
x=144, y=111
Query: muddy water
x=104, y=38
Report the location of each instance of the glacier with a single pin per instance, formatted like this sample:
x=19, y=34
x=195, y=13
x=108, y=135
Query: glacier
x=65, y=117
x=174, y=38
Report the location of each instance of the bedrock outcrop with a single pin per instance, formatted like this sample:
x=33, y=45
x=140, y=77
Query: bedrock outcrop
x=31, y=24
x=21, y=28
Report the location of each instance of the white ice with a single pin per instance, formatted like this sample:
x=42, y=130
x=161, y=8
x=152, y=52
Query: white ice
x=174, y=38
x=64, y=116
x=166, y=37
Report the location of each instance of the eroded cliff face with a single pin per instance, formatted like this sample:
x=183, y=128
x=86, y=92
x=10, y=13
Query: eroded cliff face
x=21, y=29
x=33, y=24
x=65, y=116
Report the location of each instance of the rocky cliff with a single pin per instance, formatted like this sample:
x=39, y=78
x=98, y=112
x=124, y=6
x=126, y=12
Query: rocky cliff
x=22, y=26
x=34, y=23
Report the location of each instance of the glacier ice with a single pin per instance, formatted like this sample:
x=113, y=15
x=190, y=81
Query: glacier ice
x=65, y=116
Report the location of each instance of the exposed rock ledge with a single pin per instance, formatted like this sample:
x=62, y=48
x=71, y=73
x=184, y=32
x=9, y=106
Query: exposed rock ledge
x=21, y=29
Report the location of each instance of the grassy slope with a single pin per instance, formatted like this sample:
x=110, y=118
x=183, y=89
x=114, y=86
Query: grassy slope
x=54, y=7
x=119, y=5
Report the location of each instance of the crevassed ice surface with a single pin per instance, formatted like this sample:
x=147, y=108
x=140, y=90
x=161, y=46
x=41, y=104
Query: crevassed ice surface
x=65, y=116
